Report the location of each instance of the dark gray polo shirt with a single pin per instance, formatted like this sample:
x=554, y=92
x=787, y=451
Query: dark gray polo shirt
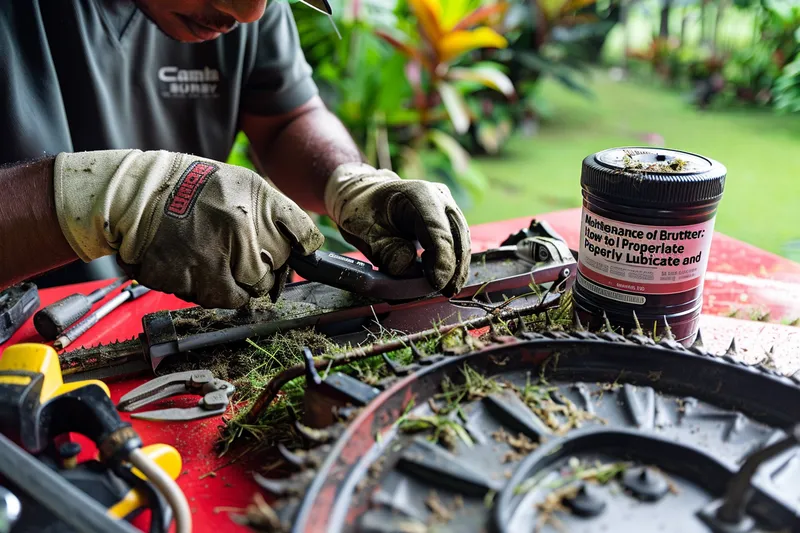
x=81, y=75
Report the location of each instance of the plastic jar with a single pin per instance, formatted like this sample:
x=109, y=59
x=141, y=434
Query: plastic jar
x=646, y=229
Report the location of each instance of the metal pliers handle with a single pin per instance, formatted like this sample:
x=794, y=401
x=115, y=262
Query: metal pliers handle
x=215, y=394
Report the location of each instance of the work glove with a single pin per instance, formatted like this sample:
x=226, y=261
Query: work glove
x=210, y=233
x=384, y=216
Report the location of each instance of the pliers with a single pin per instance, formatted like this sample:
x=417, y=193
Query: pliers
x=215, y=394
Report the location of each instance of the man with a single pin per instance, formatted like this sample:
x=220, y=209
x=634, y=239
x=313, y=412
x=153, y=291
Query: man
x=103, y=101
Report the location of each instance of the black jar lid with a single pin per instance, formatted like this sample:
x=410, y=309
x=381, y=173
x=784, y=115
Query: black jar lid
x=654, y=176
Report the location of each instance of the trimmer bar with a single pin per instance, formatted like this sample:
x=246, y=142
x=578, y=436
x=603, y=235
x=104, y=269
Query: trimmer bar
x=346, y=300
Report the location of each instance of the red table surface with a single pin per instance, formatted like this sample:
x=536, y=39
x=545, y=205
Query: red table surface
x=739, y=276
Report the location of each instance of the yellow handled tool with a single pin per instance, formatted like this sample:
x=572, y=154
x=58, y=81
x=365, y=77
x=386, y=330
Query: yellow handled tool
x=37, y=407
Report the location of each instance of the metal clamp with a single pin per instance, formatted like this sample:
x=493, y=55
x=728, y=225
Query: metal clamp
x=215, y=394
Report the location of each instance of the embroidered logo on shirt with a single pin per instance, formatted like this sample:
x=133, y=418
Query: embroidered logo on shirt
x=188, y=188
x=188, y=83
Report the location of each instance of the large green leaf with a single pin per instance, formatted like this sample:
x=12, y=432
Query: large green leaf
x=787, y=88
x=454, y=10
x=486, y=75
x=565, y=75
x=402, y=117
x=456, y=106
x=533, y=61
x=459, y=158
x=394, y=89
x=473, y=180
x=240, y=152
x=783, y=9
x=581, y=32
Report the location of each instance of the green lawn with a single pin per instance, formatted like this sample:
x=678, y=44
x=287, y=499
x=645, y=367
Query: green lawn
x=538, y=174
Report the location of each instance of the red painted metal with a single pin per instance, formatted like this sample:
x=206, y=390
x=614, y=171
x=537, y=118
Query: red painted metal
x=740, y=276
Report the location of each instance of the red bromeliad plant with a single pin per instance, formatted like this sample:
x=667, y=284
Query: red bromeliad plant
x=444, y=33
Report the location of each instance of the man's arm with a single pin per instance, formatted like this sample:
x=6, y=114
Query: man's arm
x=300, y=150
x=210, y=233
x=310, y=156
x=31, y=241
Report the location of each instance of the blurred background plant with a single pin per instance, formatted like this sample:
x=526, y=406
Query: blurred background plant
x=548, y=39
x=501, y=99
x=422, y=85
x=436, y=47
x=730, y=52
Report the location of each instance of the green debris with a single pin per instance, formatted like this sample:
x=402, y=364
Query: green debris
x=759, y=315
x=441, y=513
x=268, y=357
x=675, y=165
x=567, y=486
x=521, y=445
x=251, y=365
x=559, y=318
x=560, y=416
x=262, y=361
x=474, y=387
x=488, y=500
x=454, y=339
x=444, y=429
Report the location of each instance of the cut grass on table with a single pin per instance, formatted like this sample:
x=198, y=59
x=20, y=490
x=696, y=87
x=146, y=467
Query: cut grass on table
x=759, y=148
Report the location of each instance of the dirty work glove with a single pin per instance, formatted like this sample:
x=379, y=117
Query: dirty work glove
x=383, y=215
x=210, y=233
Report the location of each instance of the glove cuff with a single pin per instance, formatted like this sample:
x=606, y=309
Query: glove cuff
x=79, y=183
x=106, y=200
x=348, y=181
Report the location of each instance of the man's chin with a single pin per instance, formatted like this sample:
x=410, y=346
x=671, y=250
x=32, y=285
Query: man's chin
x=198, y=32
x=184, y=34
x=175, y=29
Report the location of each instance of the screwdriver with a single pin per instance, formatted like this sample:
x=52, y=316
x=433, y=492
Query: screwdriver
x=131, y=292
x=51, y=321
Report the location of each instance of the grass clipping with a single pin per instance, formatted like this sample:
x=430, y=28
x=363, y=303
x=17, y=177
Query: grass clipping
x=267, y=358
x=251, y=367
x=263, y=361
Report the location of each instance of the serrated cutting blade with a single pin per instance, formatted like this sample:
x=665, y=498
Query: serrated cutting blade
x=104, y=361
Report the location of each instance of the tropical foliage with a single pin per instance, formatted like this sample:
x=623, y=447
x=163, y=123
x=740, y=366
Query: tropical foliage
x=434, y=48
x=423, y=85
x=760, y=72
x=555, y=39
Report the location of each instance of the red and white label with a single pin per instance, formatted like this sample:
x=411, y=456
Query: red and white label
x=189, y=186
x=643, y=259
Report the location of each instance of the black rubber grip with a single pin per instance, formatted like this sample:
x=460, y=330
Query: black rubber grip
x=51, y=321
x=17, y=304
x=135, y=290
x=359, y=277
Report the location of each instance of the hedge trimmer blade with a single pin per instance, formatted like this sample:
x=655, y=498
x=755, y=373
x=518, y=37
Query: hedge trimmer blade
x=104, y=361
x=507, y=276
x=559, y=431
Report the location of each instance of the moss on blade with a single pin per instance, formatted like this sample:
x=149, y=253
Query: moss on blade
x=251, y=367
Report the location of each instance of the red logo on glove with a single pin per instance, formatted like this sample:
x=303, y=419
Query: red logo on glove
x=188, y=188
